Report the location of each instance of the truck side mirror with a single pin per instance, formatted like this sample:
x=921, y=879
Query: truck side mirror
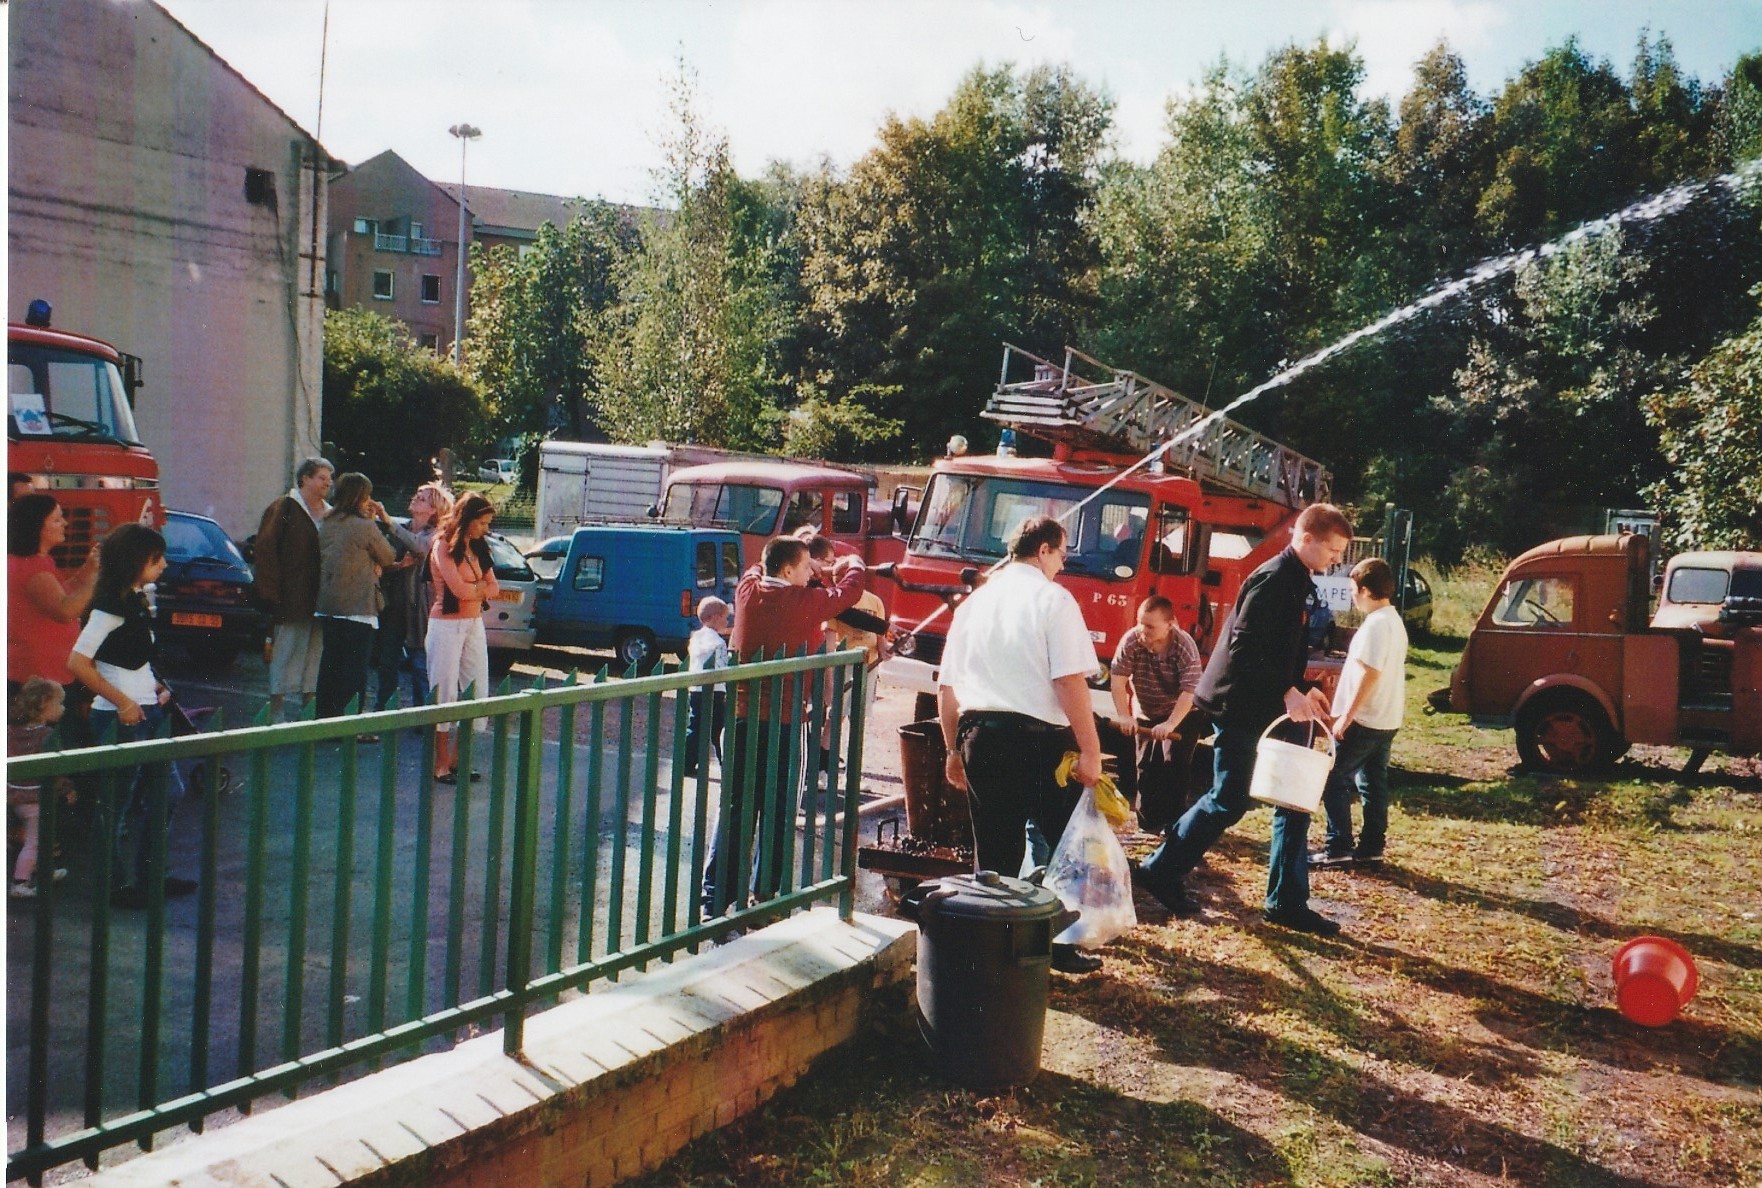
x=131, y=377
x=653, y=512
x=903, y=499
x=1212, y=577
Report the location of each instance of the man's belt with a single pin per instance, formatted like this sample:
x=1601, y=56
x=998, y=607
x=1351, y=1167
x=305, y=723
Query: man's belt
x=1024, y=722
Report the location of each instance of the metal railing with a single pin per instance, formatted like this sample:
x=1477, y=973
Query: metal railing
x=424, y=247
x=390, y=243
x=344, y=917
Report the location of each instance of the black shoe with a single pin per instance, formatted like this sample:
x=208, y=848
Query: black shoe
x=1072, y=960
x=132, y=897
x=176, y=888
x=1369, y=859
x=1303, y=919
x=1324, y=859
x=1168, y=892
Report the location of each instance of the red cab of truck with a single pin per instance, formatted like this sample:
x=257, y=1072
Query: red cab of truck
x=761, y=500
x=1564, y=653
x=71, y=430
x=1191, y=527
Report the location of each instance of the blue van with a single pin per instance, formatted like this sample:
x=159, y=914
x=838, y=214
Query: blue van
x=632, y=587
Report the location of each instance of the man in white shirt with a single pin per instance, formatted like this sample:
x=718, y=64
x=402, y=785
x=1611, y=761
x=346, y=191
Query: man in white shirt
x=1014, y=699
x=1368, y=707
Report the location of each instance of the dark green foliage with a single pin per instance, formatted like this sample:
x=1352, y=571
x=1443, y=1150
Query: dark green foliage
x=390, y=405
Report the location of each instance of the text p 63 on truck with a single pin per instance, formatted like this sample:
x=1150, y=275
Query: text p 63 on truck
x=71, y=430
x=1191, y=527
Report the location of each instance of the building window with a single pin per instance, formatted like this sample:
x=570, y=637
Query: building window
x=430, y=289
x=431, y=342
x=382, y=285
x=260, y=187
x=330, y=280
x=415, y=230
x=366, y=226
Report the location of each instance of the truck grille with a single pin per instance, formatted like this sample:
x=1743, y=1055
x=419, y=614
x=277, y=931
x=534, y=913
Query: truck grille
x=85, y=527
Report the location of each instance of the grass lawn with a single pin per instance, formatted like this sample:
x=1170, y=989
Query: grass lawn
x=1461, y=1031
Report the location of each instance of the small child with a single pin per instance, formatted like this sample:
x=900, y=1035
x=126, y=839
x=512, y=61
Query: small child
x=30, y=719
x=1368, y=707
x=708, y=651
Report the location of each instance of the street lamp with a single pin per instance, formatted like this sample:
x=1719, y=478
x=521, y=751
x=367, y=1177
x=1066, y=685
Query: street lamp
x=466, y=134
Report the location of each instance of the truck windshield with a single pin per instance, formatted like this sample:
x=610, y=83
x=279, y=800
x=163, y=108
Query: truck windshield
x=971, y=518
x=728, y=505
x=62, y=394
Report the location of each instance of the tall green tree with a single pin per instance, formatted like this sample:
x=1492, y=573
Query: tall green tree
x=952, y=234
x=537, y=322
x=389, y=404
x=1710, y=430
x=695, y=349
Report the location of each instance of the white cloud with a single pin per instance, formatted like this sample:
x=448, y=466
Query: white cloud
x=1392, y=35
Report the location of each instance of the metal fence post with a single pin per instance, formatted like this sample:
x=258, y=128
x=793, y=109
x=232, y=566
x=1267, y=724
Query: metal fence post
x=529, y=776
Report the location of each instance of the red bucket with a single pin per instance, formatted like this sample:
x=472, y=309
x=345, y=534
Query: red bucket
x=1654, y=979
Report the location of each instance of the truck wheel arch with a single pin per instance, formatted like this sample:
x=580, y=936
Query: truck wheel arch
x=1564, y=729
x=1566, y=680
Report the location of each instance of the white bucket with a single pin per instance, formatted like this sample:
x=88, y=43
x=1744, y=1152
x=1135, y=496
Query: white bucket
x=1289, y=776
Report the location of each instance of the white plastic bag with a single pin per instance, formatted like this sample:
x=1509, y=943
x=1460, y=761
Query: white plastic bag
x=1089, y=872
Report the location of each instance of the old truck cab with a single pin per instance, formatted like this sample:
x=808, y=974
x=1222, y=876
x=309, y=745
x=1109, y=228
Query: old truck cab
x=1564, y=653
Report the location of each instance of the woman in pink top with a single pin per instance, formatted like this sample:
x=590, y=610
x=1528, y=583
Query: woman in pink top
x=44, y=609
x=464, y=578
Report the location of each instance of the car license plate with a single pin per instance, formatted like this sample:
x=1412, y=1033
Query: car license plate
x=507, y=596
x=185, y=620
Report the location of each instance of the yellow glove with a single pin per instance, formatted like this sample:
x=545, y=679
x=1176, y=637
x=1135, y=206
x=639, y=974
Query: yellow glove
x=1113, y=806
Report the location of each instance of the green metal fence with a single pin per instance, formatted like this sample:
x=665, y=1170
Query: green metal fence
x=350, y=909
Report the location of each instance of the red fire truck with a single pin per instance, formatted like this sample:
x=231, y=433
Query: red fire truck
x=1190, y=526
x=72, y=432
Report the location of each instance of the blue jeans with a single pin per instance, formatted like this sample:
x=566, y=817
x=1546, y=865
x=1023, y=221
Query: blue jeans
x=767, y=841
x=703, y=718
x=1361, y=761
x=148, y=796
x=1200, y=826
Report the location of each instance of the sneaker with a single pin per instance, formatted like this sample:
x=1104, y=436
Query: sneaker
x=176, y=887
x=1323, y=859
x=1369, y=858
x=23, y=891
x=1303, y=919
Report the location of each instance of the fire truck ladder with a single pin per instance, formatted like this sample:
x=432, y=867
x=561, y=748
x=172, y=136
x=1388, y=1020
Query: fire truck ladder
x=1129, y=414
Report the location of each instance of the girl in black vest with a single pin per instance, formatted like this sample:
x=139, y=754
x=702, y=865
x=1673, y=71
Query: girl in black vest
x=114, y=658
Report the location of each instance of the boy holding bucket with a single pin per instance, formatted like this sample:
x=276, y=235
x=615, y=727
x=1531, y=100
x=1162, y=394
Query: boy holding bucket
x=1367, y=712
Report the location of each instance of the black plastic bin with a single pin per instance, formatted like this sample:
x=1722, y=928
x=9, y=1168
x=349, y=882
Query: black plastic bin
x=984, y=962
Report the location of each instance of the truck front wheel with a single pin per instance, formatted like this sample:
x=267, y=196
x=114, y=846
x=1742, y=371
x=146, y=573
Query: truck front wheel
x=635, y=647
x=1566, y=733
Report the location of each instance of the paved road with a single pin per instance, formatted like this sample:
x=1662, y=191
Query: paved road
x=436, y=875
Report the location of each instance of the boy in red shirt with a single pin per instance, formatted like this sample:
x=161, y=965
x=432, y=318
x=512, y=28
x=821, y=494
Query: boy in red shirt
x=776, y=612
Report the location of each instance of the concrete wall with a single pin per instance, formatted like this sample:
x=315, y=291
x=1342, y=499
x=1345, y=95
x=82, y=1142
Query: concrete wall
x=129, y=145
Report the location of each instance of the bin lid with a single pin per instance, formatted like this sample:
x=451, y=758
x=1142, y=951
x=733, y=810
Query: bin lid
x=991, y=896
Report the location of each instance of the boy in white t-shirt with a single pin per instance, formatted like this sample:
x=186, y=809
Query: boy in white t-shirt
x=1367, y=710
x=707, y=651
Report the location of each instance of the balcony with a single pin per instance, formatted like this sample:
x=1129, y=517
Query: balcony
x=390, y=243
x=425, y=247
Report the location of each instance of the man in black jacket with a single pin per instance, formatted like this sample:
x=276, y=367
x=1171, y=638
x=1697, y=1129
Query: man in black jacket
x=1254, y=675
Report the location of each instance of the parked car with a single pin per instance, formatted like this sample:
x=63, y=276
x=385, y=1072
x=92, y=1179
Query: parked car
x=202, y=601
x=632, y=587
x=508, y=617
x=498, y=470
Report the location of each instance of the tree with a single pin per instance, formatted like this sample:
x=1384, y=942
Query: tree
x=1710, y=430
x=694, y=349
x=951, y=235
x=537, y=321
x=390, y=405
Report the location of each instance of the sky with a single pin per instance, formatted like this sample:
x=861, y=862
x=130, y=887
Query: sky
x=572, y=95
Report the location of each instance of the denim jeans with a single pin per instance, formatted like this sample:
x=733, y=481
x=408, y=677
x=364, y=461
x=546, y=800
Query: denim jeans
x=342, y=671
x=147, y=795
x=1200, y=826
x=1361, y=761
x=711, y=718
x=766, y=841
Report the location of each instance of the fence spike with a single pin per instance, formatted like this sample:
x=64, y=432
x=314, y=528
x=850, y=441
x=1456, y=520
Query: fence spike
x=217, y=722
x=506, y=687
x=353, y=707
x=261, y=718
x=603, y=674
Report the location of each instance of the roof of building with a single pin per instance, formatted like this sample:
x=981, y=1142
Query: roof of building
x=495, y=209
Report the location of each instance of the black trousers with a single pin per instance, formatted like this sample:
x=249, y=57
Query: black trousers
x=1010, y=761
x=342, y=669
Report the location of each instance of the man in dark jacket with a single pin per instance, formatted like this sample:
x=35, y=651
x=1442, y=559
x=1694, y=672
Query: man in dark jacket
x=1254, y=675
x=287, y=568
